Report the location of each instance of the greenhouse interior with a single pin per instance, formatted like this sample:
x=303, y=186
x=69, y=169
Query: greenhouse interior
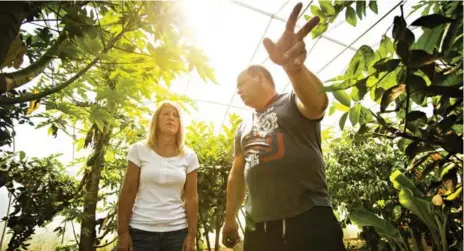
x=376, y=135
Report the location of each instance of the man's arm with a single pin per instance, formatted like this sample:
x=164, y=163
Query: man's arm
x=311, y=100
x=235, y=188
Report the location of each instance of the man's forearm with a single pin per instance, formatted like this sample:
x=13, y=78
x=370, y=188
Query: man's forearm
x=308, y=88
x=235, y=196
x=191, y=206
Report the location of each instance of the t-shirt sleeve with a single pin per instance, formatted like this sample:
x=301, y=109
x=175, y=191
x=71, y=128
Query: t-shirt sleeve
x=238, y=141
x=192, y=162
x=293, y=99
x=133, y=155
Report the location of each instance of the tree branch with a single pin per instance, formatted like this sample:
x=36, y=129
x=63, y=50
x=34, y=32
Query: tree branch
x=10, y=81
x=30, y=97
x=104, y=245
x=408, y=95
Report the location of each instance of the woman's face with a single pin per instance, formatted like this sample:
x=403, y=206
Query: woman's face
x=168, y=120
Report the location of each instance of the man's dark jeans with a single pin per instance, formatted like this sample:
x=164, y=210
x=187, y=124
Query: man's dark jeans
x=314, y=230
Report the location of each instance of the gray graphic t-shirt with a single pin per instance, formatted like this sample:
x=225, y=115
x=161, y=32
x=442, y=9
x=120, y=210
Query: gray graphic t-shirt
x=284, y=170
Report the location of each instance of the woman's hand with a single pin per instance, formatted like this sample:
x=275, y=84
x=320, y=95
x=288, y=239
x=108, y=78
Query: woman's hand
x=189, y=243
x=124, y=243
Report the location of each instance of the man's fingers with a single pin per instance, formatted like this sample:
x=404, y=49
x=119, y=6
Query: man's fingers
x=269, y=45
x=296, y=50
x=291, y=22
x=307, y=28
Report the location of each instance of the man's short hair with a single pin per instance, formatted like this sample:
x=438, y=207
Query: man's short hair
x=254, y=70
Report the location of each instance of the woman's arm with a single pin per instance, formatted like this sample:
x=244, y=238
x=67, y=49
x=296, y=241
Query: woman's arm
x=191, y=202
x=127, y=197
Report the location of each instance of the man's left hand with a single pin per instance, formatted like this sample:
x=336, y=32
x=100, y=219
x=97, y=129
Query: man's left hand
x=290, y=51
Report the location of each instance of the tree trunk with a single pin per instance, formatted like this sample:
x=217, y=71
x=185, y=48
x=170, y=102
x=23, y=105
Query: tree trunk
x=11, y=16
x=96, y=163
x=218, y=231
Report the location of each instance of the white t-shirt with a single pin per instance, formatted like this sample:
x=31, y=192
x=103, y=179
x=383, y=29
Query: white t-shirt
x=159, y=206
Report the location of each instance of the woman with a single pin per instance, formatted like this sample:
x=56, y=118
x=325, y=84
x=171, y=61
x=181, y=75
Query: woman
x=161, y=177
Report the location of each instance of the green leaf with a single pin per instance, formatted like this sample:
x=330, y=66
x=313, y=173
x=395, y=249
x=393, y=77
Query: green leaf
x=454, y=195
x=403, y=144
x=332, y=110
x=373, y=6
x=415, y=148
x=358, y=91
x=343, y=120
x=319, y=29
x=316, y=11
x=399, y=25
x=419, y=58
x=415, y=119
x=364, y=218
x=365, y=116
x=417, y=87
x=402, y=51
x=432, y=21
x=341, y=107
x=22, y=155
x=390, y=95
x=360, y=62
x=360, y=9
x=342, y=97
x=386, y=48
x=452, y=31
x=350, y=16
x=446, y=169
x=420, y=207
x=400, y=181
x=445, y=91
x=449, y=80
x=390, y=65
x=367, y=54
x=336, y=87
x=327, y=7
x=416, y=115
x=408, y=37
x=355, y=113
x=429, y=39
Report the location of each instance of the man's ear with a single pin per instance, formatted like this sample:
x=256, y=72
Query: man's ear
x=260, y=77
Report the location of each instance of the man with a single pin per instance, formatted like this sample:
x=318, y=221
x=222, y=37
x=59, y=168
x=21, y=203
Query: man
x=278, y=157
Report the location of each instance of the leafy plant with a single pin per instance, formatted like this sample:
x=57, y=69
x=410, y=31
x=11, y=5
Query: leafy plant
x=215, y=153
x=27, y=179
x=416, y=84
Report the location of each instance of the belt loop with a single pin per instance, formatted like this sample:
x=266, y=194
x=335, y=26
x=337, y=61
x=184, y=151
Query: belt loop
x=265, y=227
x=284, y=225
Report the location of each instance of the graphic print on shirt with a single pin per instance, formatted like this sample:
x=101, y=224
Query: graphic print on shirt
x=263, y=143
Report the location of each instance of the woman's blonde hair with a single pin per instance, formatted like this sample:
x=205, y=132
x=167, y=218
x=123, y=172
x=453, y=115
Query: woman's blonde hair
x=154, y=127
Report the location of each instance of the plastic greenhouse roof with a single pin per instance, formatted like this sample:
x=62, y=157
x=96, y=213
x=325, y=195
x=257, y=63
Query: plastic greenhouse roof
x=231, y=33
